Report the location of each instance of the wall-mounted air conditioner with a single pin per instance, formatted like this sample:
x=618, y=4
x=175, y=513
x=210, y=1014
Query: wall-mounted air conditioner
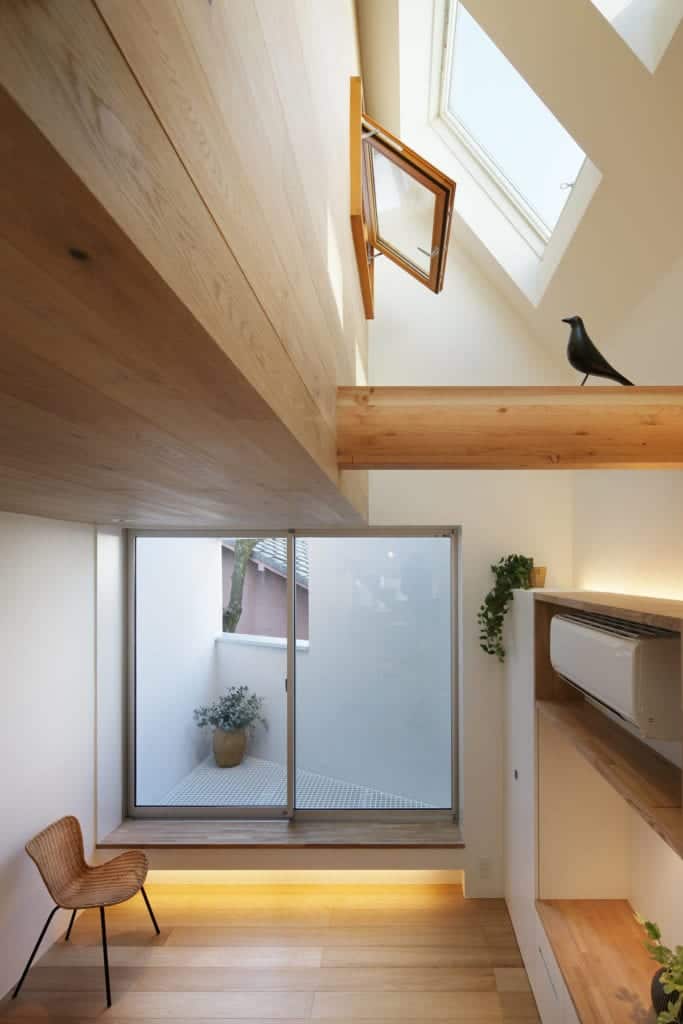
x=630, y=669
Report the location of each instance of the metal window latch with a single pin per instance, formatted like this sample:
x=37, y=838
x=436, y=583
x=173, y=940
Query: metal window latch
x=432, y=254
x=286, y=681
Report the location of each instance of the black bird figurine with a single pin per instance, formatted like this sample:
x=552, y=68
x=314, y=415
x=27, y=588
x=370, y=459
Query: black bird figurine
x=585, y=357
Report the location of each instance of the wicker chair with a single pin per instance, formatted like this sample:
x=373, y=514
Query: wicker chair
x=74, y=885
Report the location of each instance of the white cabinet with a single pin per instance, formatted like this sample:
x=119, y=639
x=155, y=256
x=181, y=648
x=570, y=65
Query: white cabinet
x=552, y=998
x=520, y=772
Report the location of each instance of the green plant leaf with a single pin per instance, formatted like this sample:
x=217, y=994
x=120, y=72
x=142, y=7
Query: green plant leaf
x=510, y=572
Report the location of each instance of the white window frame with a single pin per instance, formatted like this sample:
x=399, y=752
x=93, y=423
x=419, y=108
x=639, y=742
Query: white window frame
x=485, y=171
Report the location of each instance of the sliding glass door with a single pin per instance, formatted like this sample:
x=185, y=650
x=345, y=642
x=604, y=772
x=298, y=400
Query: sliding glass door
x=374, y=685
x=293, y=674
x=210, y=664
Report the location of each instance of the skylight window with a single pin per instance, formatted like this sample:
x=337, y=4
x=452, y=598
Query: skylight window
x=646, y=27
x=521, y=146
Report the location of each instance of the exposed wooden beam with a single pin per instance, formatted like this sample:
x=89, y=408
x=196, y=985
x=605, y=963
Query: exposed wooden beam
x=510, y=428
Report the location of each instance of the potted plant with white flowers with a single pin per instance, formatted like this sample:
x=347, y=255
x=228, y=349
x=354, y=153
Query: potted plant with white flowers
x=233, y=717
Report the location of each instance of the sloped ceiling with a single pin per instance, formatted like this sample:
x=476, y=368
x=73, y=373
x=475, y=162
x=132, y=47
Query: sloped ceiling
x=629, y=123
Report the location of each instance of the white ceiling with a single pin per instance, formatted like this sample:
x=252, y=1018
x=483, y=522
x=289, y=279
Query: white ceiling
x=627, y=119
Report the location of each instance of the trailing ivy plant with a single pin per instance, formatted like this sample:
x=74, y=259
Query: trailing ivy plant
x=511, y=572
x=671, y=978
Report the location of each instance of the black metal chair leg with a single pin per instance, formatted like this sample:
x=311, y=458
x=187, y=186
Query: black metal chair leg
x=105, y=955
x=151, y=912
x=71, y=924
x=33, y=954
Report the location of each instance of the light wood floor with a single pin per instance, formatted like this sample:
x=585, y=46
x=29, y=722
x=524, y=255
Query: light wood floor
x=295, y=953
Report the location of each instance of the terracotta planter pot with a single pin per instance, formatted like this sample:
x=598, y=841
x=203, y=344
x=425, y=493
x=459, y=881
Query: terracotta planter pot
x=229, y=747
x=537, y=576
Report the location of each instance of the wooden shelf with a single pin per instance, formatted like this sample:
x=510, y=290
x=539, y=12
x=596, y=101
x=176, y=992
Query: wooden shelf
x=160, y=833
x=599, y=949
x=652, y=611
x=647, y=781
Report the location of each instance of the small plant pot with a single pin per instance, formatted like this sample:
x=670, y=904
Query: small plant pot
x=537, y=576
x=660, y=1000
x=229, y=747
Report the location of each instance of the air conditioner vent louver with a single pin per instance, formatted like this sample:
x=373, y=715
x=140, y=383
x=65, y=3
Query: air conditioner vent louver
x=629, y=668
x=617, y=627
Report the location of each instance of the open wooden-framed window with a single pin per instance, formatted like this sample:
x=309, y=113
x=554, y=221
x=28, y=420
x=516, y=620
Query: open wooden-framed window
x=401, y=205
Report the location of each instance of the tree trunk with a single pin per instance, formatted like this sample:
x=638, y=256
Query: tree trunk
x=231, y=614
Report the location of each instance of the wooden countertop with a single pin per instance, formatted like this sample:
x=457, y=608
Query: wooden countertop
x=652, y=611
x=156, y=833
x=599, y=949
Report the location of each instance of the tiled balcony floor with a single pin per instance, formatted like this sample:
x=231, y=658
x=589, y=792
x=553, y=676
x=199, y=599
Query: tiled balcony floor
x=259, y=783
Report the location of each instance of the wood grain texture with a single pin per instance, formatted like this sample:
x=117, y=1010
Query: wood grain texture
x=509, y=428
x=233, y=116
x=116, y=402
x=549, y=685
x=359, y=230
x=652, y=611
x=599, y=949
x=417, y=969
x=161, y=304
x=157, y=833
x=649, y=783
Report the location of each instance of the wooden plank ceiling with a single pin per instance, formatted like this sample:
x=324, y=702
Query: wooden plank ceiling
x=510, y=428
x=184, y=372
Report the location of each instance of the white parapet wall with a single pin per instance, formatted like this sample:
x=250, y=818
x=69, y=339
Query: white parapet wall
x=178, y=608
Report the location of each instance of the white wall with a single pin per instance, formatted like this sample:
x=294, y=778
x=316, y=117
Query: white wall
x=378, y=39
x=656, y=883
x=178, y=608
x=263, y=668
x=469, y=335
x=47, y=726
x=628, y=537
x=628, y=525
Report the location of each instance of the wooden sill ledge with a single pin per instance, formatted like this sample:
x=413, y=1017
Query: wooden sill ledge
x=599, y=949
x=188, y=834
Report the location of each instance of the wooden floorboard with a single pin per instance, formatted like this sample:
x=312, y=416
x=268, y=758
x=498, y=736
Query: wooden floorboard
x=262, y=954
x=152, y=834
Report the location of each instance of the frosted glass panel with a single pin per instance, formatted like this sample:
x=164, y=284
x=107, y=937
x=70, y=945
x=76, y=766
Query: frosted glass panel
x=373, y=687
